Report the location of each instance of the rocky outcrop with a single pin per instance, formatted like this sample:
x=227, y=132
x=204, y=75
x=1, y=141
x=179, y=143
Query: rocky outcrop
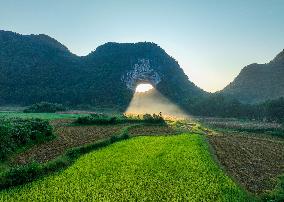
x=141, y=72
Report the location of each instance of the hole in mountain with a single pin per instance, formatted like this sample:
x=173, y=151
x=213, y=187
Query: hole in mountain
x=143, y=87
x=147, y=99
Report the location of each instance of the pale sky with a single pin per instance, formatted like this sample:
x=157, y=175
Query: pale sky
x=212, y=40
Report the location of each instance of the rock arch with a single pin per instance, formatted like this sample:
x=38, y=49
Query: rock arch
x=141, y=72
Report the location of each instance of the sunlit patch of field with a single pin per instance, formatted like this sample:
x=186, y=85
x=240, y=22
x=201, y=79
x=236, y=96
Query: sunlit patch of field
x=152, y=101
x=167, y=117
x=160, y=168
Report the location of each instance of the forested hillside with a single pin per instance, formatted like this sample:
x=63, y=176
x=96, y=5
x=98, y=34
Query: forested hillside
x=35, y=68
x=259, y=82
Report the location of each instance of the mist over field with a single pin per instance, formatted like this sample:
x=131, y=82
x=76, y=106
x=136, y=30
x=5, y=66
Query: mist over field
x=153, y=102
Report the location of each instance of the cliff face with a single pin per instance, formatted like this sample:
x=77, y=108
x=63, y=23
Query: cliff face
x=259, y=82
x=36, y=68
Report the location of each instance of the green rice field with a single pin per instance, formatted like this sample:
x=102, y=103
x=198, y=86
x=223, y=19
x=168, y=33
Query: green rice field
x=152, y=168
x=46, y=116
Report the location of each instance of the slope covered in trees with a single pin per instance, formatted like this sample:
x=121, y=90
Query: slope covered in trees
x=35, y=68
x=259, y=82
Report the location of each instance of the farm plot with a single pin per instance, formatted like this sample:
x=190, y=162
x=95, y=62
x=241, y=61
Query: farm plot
x=68, y=137
x=254, y=160
x=72, y=136
x=152, y=130
x=46, y=116
x=160, y=168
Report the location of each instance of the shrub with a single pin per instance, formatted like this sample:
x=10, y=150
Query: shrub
x=148, y=118
x=20, y=174
x=17, y=133
x=45, y=107
x=277, y=195
x=102, y=119
x=99, y=119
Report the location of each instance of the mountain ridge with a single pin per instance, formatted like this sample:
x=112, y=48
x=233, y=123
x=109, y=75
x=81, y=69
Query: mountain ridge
x=258, y=82
x=53, y=73
x=38, y=68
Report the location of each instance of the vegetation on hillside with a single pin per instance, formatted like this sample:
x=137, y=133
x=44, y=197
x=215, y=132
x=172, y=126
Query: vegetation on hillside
x=36, y=68
x=219, y=105
x=258, y=82
x=45, y=107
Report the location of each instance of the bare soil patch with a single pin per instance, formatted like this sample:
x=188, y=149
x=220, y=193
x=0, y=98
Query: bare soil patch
x=254, y=161
x=152, y=130
x=68, y=137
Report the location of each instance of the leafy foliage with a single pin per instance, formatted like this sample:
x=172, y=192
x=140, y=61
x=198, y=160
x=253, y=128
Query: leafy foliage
x=103, y=119
x=100, y=119
x=277, y=195
x=18, y=133
x=148, y=118
x=45, y=107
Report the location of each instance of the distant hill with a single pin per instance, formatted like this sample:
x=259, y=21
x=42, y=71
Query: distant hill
x=35, y=68
x=259, y=82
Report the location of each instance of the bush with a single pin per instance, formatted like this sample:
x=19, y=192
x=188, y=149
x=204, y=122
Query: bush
x=102, y=119
x=148, y=118
x=277, y=195
x=99, y=119
x=17, y=133
x=45, y=107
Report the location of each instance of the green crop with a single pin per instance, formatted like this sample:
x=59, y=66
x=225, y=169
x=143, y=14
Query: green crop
x=46, y=116
x=161, y=168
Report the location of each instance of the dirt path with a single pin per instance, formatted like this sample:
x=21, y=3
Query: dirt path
x=253, y=161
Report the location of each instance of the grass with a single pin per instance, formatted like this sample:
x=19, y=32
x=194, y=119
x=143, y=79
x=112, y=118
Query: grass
x=21, y=174
x=161, y=168
x=46, y=116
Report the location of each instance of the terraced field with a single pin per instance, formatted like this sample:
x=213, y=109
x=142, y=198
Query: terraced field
x=159, y=164
x=68, y=137
x=160, y=168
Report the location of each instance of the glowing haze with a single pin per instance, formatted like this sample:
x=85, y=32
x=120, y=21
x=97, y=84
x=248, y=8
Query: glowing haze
x=151, y=101
x=141, y=88
x=211, y=40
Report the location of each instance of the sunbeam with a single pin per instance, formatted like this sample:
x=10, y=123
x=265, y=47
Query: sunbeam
x=147, y=99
